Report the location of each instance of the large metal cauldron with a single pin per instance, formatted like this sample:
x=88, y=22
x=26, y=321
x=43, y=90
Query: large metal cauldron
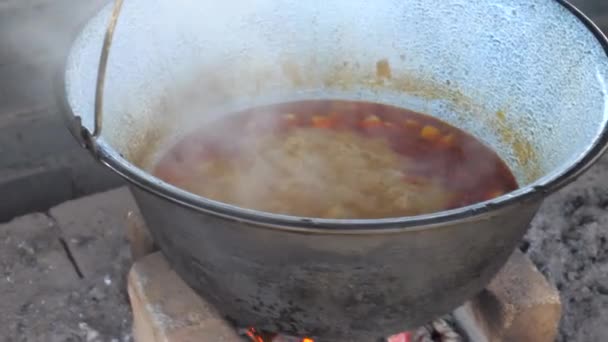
x=529, y=79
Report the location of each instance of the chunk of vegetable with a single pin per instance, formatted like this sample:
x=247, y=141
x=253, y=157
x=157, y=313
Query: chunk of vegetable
x=322, y=122
x=371, y=121
x=430, y=133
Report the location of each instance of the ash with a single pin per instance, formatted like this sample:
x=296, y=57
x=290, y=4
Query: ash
x=568, y=243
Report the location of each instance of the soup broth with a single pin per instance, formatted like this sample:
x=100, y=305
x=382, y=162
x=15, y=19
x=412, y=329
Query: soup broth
x=336, y=159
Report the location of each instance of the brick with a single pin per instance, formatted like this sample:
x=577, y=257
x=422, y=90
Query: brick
x=139, y=237
x=166, y=309
x=519, y=305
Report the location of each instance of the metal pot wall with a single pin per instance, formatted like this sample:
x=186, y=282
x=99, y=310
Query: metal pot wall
x=527, y=79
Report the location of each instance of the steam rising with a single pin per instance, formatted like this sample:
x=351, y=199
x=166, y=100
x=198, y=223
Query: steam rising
x=308, y=174
x=316, y=172
x=45, y=28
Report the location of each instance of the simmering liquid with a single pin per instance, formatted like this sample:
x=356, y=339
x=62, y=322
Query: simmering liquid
x=336, y=159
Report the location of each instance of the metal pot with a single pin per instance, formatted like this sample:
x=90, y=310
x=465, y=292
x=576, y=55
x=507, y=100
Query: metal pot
x=528, y=79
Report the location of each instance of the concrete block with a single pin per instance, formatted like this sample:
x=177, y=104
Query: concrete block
x=94, y=229
x=41, y=184
x=518, y=306
x=166, y=309
x=33, y=189
x=32, y=135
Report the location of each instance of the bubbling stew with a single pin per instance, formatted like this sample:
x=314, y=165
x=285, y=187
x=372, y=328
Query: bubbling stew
x=335, y=159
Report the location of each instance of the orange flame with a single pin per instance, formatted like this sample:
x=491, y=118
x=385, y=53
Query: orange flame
x=257, y=336
x=252, y=333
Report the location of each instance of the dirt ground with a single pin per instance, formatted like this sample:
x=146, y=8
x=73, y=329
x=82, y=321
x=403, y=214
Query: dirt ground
x=568, y=243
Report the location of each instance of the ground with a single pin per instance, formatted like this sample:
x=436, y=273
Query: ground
x=568, y=241
x=62, y=273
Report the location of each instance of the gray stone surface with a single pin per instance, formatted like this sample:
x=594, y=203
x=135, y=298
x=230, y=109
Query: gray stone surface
x=35, y=275
x=95, y=229
x=63, y=274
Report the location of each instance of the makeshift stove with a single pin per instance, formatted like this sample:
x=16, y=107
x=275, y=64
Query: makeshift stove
x=518, y=306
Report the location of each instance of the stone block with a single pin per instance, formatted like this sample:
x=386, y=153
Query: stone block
x=519, y=305
x=31, y=190
x=166, y=309
x=94, y=229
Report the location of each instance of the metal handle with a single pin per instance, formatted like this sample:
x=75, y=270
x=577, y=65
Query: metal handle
x=103, y=65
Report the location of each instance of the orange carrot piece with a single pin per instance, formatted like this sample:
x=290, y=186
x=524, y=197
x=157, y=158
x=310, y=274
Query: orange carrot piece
x=447, y=140
x=322, y=122
x=430, y=133
x=371, y=121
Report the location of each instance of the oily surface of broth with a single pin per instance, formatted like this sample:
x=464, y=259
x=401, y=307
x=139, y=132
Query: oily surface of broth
x=336, y=159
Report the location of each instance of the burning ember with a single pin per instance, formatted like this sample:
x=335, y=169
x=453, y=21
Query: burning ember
x=258, y=336
x=261, y=336
x=403, y=337
x=438, y=331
